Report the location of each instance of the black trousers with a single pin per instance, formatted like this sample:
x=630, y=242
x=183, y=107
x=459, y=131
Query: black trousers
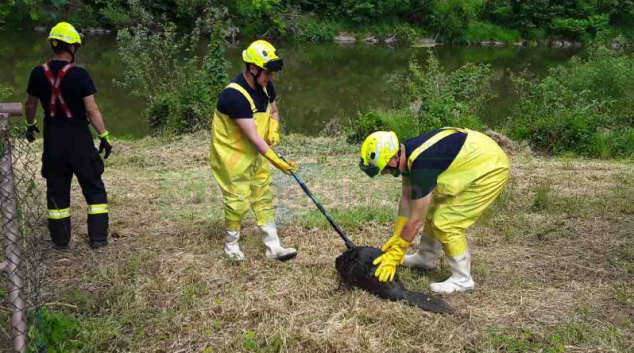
x=69, y=150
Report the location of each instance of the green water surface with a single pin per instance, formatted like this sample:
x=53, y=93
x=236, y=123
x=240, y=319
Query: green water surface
x=320, y=81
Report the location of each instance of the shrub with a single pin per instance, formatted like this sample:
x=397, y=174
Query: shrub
x=433, y=99
x=54, y=332
x=402, y=122
x=438, y=98
x=369, y=10
x=310, y=28
x=482, y=32
x=580, y=28
x=115, y=15
x=584, y=106
x=181, y=89
x=450, y=17
x=260, y=16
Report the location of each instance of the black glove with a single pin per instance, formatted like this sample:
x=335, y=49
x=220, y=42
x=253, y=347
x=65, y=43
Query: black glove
x=30, y=129
x=105, y=144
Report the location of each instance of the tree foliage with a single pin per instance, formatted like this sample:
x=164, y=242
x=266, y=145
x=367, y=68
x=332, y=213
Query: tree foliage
x=450, y=20
x=162, y=68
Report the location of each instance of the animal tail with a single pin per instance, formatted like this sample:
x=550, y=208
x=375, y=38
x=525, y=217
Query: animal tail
x=428, y=302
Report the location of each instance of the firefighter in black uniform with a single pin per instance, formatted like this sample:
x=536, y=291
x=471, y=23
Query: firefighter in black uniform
x=67, y=96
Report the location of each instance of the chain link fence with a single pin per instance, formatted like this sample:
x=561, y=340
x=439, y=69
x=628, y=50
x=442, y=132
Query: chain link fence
x=23, y=231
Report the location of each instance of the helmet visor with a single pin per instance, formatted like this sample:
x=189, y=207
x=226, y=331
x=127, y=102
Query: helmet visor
x=274, y=65
x=370, y=170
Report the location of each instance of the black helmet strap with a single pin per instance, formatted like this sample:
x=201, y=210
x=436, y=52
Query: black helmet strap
x=65, y=47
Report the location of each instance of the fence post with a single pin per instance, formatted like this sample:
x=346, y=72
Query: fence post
x=11, y=228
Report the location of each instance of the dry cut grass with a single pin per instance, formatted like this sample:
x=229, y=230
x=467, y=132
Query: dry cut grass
x=553, y=259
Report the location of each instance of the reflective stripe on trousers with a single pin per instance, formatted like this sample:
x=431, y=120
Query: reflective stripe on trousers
x=98, y=209
x=59, y=214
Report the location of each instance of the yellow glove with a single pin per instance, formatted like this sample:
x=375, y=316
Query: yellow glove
x=400, y=224
x=390, y=260
x=285, y=167
x=273, y=138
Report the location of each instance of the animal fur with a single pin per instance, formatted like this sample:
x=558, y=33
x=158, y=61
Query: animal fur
x=355, y=269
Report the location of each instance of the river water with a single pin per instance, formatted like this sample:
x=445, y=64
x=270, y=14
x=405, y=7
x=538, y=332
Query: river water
x=320, y=82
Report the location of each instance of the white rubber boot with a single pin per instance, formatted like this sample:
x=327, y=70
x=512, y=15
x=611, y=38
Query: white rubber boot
x=429, y=249
x=272, y=244
x=460, y=280
x=232, y=248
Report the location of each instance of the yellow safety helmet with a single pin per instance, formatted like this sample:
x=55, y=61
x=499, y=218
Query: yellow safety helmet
x=262, y=54
x=64, y=32
x=377, y=150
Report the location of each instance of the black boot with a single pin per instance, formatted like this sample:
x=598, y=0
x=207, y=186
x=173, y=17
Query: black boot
x=60, y=232
x=98, y=230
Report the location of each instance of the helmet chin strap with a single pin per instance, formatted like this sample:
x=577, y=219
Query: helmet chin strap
x=255, y=76
x=72, y=54
x=396, y=172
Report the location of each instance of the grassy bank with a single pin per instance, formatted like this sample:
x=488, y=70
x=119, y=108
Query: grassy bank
x=553, y=261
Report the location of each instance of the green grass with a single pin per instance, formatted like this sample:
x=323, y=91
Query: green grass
x=484, y=32
x=555, y=340
x=541, y=200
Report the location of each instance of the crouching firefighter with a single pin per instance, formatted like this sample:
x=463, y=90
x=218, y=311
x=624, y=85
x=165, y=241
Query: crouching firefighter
x=67, y=96
x=450, y=176
x=244, y=128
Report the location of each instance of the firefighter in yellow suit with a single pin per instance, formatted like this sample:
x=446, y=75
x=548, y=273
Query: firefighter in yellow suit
x=450, y=176
x=245, y=126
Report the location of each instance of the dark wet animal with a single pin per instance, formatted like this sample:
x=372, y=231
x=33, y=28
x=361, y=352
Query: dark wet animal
x=355, y=269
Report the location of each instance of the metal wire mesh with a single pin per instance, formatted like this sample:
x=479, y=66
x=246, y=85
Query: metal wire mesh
x=22, y=233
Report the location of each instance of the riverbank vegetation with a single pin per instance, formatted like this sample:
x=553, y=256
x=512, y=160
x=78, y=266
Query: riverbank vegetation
x=433, y=98
x=180, y=90
x=446, y=20
x=584, y=107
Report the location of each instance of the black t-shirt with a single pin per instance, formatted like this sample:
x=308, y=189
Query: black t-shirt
x=234, y=104
x=76, y=85
x=432, y=162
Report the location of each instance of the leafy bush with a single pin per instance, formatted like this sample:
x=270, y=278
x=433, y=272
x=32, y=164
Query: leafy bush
x=402, y=122
x=115, y=15
x=450, y=17
x=181, y=89
x=54, y=332
x=369, y=10
x=580, y=28
x=440, y=99
x=433, y=99
x=482, y=32
x=260, y=16
x=585, y=106
x=310, y=28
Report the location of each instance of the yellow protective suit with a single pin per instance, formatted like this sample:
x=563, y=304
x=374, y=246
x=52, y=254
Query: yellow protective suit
x=472, y=182
x=240, y=170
